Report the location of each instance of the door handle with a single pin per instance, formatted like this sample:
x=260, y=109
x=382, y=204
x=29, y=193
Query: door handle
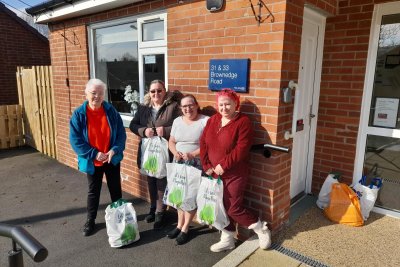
x=311, y=115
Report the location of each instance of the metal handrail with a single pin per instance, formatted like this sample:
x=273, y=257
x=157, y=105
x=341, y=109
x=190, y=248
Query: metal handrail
x=27, y=242
x=267, y=147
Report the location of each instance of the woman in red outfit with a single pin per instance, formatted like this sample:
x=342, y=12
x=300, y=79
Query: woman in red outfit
x=224, y=152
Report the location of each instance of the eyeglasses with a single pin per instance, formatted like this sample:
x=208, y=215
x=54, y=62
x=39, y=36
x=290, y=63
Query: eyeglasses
x=188, y=106
x=154, y=91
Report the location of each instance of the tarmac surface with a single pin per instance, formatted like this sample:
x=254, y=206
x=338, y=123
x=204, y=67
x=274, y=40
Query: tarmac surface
x=48, y=199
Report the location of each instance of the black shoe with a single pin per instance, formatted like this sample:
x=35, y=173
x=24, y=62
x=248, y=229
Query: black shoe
x=159, y=221
x=173, y=233
x=88, y=228
x=150, y=217
x=182, y=238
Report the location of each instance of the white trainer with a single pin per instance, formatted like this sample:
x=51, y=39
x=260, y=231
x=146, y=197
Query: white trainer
x=227, y=242
x=264, y=234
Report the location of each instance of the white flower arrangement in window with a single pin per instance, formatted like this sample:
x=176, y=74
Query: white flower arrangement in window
x=132, y=97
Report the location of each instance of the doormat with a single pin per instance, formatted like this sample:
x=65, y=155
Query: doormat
x=337, y=245
x=297, y=256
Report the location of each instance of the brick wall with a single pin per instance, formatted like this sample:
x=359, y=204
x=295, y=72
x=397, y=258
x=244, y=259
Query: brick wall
x=20, y=46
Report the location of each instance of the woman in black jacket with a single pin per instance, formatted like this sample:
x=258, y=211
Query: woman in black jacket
x=154, y=118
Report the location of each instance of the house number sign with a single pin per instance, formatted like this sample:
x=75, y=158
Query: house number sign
x=229, y=73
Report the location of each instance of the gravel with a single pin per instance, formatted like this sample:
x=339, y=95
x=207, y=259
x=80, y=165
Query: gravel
x=374, y=244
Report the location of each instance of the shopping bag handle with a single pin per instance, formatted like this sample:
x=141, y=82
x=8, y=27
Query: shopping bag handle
x=219, y=180
x=377, y=181
x=118, y=203
x=185, y=162
x=363, y=180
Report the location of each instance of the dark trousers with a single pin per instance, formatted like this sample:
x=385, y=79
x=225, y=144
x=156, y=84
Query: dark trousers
x=156, y=190
x=113, y=177
x=234, y=187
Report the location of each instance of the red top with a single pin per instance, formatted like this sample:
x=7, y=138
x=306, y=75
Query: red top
x=228, y=146
x=98, y=131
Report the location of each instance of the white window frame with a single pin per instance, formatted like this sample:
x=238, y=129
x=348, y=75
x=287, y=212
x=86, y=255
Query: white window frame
x=144, y=20
x=144, y=48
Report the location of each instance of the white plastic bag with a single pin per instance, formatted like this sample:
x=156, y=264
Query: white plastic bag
x=324, y=195
x=367, y=196
x=121, y=223
x=154, y=157
x=183, y=185
x=210, y=205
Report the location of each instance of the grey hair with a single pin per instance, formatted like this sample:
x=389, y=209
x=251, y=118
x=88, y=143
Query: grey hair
x=95, y=83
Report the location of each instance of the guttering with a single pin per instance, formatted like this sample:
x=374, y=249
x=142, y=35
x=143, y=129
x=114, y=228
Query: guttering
x=57, y=10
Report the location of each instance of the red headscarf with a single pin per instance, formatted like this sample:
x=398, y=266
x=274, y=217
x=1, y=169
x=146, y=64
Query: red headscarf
x=231, y=94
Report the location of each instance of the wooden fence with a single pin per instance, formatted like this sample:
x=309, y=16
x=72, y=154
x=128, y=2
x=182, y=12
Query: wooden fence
x=35, y=91
x=11, y=133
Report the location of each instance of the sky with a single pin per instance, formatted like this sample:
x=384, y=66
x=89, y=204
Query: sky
x=18, y=6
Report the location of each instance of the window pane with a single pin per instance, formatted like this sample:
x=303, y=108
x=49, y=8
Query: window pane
x=386, y=90
x=153, y=67
x=153, y=31
x=116, y=62
x=383, y=153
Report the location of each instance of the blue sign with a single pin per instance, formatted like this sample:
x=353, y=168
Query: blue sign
x=229, y=73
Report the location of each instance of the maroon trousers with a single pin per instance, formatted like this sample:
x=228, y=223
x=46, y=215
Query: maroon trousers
x=234, y=187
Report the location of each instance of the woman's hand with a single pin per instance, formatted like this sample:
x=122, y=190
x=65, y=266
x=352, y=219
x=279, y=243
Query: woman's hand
x=178, y=156
x=109, y=155
x=149, y=132
x=101, y=156
x=187, y=156
x=218, y=170
x=160, y=131
x=209, y=172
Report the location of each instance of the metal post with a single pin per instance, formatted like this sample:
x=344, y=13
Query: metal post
x=15, y=257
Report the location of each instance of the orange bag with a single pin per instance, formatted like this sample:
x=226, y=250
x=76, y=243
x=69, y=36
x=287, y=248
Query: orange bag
x=344, y=206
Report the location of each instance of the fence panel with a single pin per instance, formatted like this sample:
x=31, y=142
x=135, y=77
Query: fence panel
x=11, y=134
x=36, y=97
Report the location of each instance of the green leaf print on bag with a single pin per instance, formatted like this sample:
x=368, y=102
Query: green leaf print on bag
x=175, y=197
x=128, y=234
x=151, y=164
x=207, y=214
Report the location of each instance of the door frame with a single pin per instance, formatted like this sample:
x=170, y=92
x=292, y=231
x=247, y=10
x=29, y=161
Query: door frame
x=312, y=16
x=363, y=129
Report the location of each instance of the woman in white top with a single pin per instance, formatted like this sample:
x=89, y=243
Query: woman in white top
x=184, y=145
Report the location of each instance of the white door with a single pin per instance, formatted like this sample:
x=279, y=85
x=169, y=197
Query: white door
x=309, y=87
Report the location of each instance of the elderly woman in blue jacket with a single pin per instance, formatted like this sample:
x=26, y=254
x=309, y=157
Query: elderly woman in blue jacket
x=97, y=136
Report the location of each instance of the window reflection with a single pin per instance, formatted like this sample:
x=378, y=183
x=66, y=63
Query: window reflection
x=116, y=62
x=387, y=74
x=153, y=31
x=382, y=159
x=153, y=66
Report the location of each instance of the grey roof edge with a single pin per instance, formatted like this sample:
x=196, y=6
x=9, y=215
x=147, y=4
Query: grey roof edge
x=49, y=5
x=23, y=23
